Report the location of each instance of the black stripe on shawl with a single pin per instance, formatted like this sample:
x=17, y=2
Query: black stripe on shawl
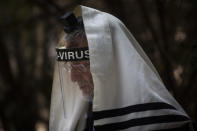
x=131, y=109
x=140, y=122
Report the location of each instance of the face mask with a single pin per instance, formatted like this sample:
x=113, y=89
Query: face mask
x=72, y=76
x=74, y=68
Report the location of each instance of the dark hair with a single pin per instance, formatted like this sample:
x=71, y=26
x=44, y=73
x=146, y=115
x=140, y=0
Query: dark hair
x=77, y=36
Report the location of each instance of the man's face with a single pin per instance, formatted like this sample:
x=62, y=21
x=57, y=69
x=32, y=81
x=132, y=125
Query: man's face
x=83, y=76
x=80, y=70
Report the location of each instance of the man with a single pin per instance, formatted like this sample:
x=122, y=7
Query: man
x=74, y=74
x=118, y=82
x=79, y=70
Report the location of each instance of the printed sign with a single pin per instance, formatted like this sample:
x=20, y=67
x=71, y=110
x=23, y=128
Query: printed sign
x=72, y=54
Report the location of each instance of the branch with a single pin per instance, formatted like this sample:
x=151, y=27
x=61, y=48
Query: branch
x=161, y=16
x=5, y=69
x=117, y=7
x=157, y=43
x=4, y=120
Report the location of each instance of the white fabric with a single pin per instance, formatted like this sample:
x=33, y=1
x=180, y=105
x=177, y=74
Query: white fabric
x=68, y=110
x=122, y=73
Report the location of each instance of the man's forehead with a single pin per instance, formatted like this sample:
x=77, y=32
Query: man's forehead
x=78, y=42
x=72, y=45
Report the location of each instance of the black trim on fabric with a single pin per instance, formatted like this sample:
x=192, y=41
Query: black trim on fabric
x=89, y=121
x=131, y=109
x=140, y=122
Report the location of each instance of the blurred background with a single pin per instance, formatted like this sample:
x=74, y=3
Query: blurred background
x=29, y=32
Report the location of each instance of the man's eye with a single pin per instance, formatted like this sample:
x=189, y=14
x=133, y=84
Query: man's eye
x=87, y=65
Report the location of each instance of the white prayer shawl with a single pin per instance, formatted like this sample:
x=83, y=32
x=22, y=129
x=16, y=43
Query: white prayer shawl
x=128, y=92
